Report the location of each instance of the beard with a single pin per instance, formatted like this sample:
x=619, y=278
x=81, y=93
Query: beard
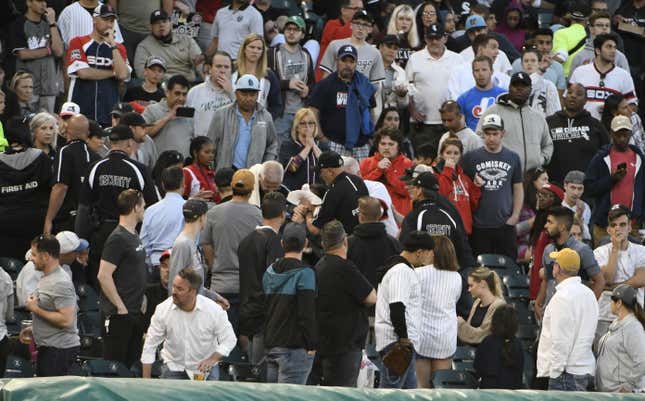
x=166, y=39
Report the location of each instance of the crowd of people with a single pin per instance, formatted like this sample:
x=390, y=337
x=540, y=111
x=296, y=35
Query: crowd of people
x=303, y=184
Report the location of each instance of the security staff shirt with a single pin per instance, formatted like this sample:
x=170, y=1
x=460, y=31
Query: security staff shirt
x=341, y=202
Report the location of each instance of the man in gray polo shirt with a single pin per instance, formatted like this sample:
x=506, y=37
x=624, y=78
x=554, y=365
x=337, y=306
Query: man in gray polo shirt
x=231, y=25
x=53, y=308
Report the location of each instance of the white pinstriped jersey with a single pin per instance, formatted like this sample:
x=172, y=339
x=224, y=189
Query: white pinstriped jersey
x=75, y=21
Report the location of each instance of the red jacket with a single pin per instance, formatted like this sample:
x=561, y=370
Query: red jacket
x=390, y=178
x=461, y=191
x=205, y=177
x=334, y=29
x=534, y=274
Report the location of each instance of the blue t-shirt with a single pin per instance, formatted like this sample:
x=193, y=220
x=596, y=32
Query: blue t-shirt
x=243, y=142
x=474, y=103
x=499, y=172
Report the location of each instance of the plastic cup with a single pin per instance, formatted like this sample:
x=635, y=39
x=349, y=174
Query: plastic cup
x=199, y=376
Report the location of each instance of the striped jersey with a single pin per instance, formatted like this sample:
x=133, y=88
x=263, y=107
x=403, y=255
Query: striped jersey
x=75, y=20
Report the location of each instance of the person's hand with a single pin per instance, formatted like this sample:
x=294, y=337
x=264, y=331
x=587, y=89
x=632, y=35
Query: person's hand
x=121, y=311
x=225, y=83
x=207, y=364
x=205, y=195
x=108, y=36
x=31, y=303
x=311, y=352
x=418, y=117
x=48, y=227
x=223, y=302
x=512, y=220
x=26, y=335
x=450, y=162
x=172, y=113
x=538, y=312
x=243, y=341
x=310, y=142
x=618, y=174
x=405, y=342
x=297, y=85
x=478, y=181
x=617, y=239
x=83, y=257
x=50, y=15
x=401, y=90
x=580, y=208
x=384, y=163
x=297, y=216
x=304, y=92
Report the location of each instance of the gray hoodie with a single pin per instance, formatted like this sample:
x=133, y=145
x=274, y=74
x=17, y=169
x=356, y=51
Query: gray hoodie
x=527, y=132
x=621, y=356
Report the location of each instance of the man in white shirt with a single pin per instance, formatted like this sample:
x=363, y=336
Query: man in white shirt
x=573, y=189
x=564, y=352
x=428, y=71
x=453, y=119
x=621, y=262
x=398, y=303
x=194, y=330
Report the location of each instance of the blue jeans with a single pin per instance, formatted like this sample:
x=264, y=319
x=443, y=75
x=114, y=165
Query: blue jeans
x=407, y=381
x=288, y=365
x=166, y=373
x=568, y=382
x=283, y=127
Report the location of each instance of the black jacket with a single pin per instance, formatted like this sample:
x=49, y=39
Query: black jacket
x=369, y=248
x=290, y=288
x=490, y=369
x=256, y=252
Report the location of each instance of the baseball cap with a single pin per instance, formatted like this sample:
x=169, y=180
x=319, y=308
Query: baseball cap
x=474, y=22
x=104, y=11
x=492, y=121
x=297, y=21
x=154, y=60
x=625, y=293
x=348, y=50
x=434, y=30
x=295, y=231
x=69, y=242
x=418, y=240
x=413, y=172
x=362, y=15
x=165, y=254
x=574, y=177
x=554, y=189
x=297, y=196
x=69, y=109
x=579, y=10
x=121, y=133
x=158, y=15
x=133, y=118
x=521, y=78
x=96, y=129
x=243, y=180
x=121, y=108
x=390, y=40
x=247, y=82
x=329, y=159
x=621, y=122
x=426, y=181
x=568, y=259
x=194, y=208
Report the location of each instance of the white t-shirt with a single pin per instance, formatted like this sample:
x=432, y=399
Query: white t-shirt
x=205, y=98
x=378, y=190
x=399, y=284
x=628, y=261
x=429, y=78
x=501, y=63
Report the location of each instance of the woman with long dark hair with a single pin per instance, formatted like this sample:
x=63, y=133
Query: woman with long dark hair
x=168, y=158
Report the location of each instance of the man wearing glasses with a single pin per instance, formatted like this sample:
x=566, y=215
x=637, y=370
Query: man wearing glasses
x=598, y=24
x=369, y=61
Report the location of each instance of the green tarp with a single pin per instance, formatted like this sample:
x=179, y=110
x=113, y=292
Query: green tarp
x=104, y=389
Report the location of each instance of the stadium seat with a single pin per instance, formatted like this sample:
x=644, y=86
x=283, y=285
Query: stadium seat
x=14, y=326
x=18, y=367
x=453, y=379
x=236, y=367
x=525, y=314
x=89, y=323
x=465, y=366
x=502, y=264
x=527, y=333
x=464, y=353
x=104, y=368
x=12, y=266
x=88, y=299
x=91, y=347
x=517, y=286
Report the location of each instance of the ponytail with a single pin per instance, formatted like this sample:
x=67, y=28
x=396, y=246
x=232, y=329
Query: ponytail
x=491, y=278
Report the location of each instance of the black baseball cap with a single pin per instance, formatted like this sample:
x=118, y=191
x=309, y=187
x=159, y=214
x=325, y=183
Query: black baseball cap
x=435, y=31
x=194, y=208
x=329, y=159
x=363, y=15
x=121, y=108
x=579, y=10
x=133, y=118
x=521, y=78
x=158, y=15
x=96, y=130
x=426, y=181
x=348, y=50
x=417, y=240
x=121, y=133
x=390, y=40
x=104, y=11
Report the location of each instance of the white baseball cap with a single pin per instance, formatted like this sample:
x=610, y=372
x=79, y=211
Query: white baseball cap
x=247, y=82
x=69, y=242
x=69, y=109
x=493, y=121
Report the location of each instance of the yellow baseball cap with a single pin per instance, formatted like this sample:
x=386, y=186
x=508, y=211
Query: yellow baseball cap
x=567, y=259
x=243, y=180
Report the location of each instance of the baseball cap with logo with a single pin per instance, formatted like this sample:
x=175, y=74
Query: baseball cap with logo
x=69, y=242
x=121, y=108
x=155, y=60
x=435, y=31
x=348, y=50
x=426, y=180
x=390, y=40
x=247, y=82
x=567, y=259
x=579, y=10
x=194, y=208
x=362, y=15
x=625, y=293
x=474, y=22
x=121, y=133
x=413, y=172
x=493, y=121
x=243, y=180
x=134, y=119
x=621, y=122
x=329, y=159
x=297, y=21
x=158, y=15
x=104, y=11
x=69, y=109
x=521, y=78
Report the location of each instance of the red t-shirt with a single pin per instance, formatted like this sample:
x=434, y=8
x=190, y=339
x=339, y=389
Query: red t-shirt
x=334, y=29
x=623, y=191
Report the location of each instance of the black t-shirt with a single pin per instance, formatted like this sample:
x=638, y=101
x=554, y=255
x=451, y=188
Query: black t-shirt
x=70, y=168
x=341, y=202
x=137, y=93
x=125, y=250
x=478, y=316
x=341, y=314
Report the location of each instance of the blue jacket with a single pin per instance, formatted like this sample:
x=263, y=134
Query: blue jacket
x=598, y=186
x=358, y=104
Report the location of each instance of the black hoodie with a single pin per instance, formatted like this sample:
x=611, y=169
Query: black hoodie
x=370, y=247
x=575, y=142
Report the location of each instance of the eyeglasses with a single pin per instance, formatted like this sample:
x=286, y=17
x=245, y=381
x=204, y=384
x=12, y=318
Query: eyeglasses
x=429, y=13
x=307, y=123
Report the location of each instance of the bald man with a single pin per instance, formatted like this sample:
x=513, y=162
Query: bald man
x=70, y=169
x=576, y=135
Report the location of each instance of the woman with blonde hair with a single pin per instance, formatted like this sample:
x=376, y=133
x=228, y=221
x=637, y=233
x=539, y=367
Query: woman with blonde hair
x=20, y=98
x=299, y=154
x=485, y=287
x=43, y=127
x=404, y=25
x=252, y=59
x=440, y=285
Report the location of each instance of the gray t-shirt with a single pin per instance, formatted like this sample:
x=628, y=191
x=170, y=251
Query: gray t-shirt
x=55, y=291
x=369, y=62
x=228, y=223
x=292, y=66
x=6, y=300
x=175, y=135
x=186, y=255
x=147, y=153
x=232, y=26
x=135, y=15
x=499, y=172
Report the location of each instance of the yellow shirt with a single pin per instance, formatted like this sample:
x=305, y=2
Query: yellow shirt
x=564, y=40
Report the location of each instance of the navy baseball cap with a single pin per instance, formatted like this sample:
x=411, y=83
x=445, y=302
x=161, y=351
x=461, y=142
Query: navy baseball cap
x=348, y=50
x=521, y=78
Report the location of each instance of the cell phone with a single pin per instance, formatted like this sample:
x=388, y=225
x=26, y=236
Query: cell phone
x=185, y=112
x=622, y=166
